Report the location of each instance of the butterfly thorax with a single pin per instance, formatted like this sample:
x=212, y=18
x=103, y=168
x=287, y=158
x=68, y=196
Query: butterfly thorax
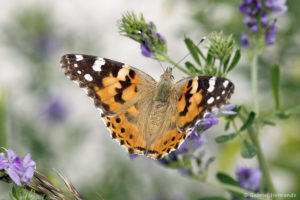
x=160, y=107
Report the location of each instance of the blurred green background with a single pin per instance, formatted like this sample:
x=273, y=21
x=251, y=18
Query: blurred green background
x=44, y=113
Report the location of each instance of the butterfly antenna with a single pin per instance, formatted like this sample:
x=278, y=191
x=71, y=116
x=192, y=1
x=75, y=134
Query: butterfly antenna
x=161, y=66
x=204, y=38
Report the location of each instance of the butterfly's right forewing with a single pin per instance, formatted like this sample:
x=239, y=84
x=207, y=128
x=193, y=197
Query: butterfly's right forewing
x=197, y=95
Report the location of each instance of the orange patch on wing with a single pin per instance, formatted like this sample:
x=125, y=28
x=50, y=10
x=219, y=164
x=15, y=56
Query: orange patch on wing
x=132, y=110
x=129, y=93
x=170, y=141
x=181, y=104
x=126, y=133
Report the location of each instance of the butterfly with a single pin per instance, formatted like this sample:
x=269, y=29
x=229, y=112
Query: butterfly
x=145, y=116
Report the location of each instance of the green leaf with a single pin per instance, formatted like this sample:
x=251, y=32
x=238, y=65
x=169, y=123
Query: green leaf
x=227, y=125
x=192, y=48
x=235, y=60
x=225, y=138
x=212, y=198
x=248, y=150
x=275, y=76
x=248, y=122
x=226, y=64
x=191, y=67
x=225, y=178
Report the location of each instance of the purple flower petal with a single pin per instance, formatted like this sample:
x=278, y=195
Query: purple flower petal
x=264, y=19
x=277, y=7
x=270, y=34
x=11, y=155
x=3, y=161
x=28, y=174
x=161, y=38
x=145, y=51
x=208, y=121
x=249, y=178
x=27, y=162
x=14, y=176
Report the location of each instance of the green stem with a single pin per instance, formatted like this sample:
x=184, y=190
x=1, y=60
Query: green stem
x=232, y=188
x=262, y=162
x=254, y=79
x=176, y=65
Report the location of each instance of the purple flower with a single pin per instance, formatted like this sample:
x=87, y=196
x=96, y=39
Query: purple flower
x=249, y=178
x=192, y=142
x=264, y=20
x=47, y=44
x=161, y=38
x=208, y=121
x=244, y=40
x=145, y=51
x=270, y=34
x=3, y=161
x=277, y=7
x=227, y=109
x=250, y=7
x=55, y=110
x=18, y=169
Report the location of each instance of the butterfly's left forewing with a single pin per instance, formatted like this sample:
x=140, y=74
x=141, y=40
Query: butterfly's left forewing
x=120, y=91
x=197, y=95
x=112, y=85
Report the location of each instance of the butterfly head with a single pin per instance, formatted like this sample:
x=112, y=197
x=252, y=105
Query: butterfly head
x=167, y=75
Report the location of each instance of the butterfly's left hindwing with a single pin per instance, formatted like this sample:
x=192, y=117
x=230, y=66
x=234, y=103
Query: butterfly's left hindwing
x=197, y=95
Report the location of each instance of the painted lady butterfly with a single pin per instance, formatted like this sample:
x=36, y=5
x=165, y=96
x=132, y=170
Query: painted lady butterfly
x=145, y=116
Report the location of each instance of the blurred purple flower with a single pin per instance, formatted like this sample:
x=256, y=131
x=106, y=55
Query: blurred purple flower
x=55, y=110
x=249, y=178
x=270, y=34
x=145, y=51
x=277, y=7
x=256, y=18
x=161, y=38
x=3, y=161
x=264, y=19
x=244, y=40
x=133, y=156
x=185, y=171
x=250, y=7
x=192, y=142
x=47, y=44
x=18, y=169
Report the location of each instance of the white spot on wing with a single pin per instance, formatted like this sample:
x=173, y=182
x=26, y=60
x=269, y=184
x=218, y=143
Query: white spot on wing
x=212, y=82
x=225, y=83
x=75, y=65
x=78, y=72
x=218, y=97
x=88, y=77
x=210, y=100
x=98, y=63
x=79, y=57
x=223, y=92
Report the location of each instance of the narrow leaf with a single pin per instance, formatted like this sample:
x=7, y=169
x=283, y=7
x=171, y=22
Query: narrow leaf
x=227, y=125
x=248, y=150
x=235, y=60
x=275, y=73
x=225, y=138
x=192, y=48
x=248, y=122
x=191, y=67
x=225, y=65
x=225, y=178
